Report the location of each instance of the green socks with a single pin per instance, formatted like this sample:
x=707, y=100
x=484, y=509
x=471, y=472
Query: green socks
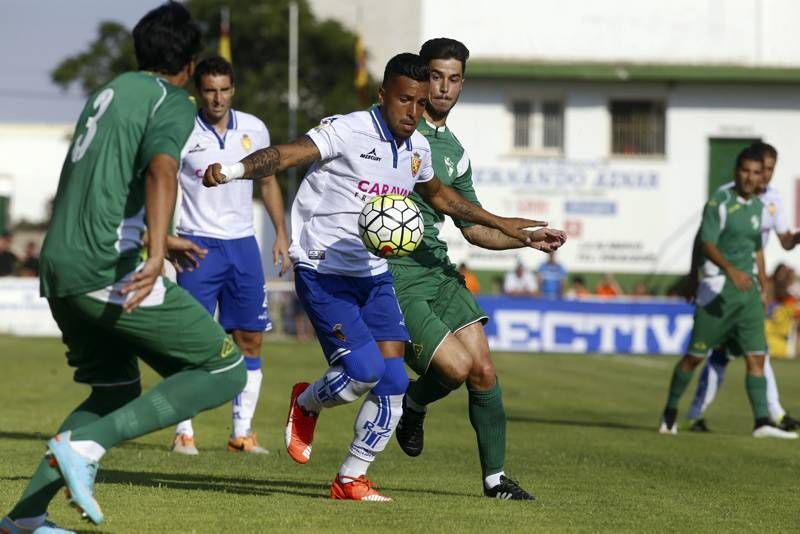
x=488, y=418
x=427, y=389
x=678, y=384
x=757, y=393
x=177, y=398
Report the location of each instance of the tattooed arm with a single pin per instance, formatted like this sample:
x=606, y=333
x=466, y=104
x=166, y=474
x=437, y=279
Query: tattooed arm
x=445, y=199
x=264, y=162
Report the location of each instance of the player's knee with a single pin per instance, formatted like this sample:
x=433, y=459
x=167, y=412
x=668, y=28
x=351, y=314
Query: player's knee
x=483, y=373
x=364, y=364
x=394, y=381
x=106, y=399
x=453, y=369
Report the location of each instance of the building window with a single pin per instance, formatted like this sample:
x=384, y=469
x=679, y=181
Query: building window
x=522, y=123
x=538, y=125
x=637, y=127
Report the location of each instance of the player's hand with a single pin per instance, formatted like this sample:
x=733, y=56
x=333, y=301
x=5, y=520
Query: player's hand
x=280, y=252
x=547, y=239
x=213, y=176
x=516, y=227
x=741, y=280
x=184, y=254
x=141, y=283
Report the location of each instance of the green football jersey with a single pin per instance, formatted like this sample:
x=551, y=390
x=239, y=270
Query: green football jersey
x=95, y=234
x=451, y=165
x=734, y=226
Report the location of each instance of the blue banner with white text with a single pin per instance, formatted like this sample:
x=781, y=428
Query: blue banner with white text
x=618, y=326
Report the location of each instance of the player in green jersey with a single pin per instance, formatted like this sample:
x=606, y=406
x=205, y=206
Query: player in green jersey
x=119, y=175
x=729, y=303
x=449, y=345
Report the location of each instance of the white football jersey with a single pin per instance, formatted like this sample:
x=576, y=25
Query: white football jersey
x=224, y=212
x=360, y=160
x=773, y=216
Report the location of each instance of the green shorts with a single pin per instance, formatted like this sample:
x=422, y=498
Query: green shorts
x=103, y=341
x=434, y=302
x=734, y=319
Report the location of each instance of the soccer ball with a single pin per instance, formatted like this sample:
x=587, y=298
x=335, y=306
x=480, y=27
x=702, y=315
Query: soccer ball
x=390, y=226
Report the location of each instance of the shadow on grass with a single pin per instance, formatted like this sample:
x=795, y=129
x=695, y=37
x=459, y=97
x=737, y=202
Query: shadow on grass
x=262, y=487
x=570, y=422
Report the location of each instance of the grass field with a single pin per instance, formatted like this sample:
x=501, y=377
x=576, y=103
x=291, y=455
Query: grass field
x=581, y=437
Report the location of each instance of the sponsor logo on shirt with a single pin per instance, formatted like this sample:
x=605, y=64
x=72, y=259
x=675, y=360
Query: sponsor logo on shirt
x=316, y=254
x=416, y=163
x=375, y=189
x=371, y=155
x=196, y=148
x=247, y=143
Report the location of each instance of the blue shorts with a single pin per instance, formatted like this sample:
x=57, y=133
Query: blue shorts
x=349, y=312
x=230, y=275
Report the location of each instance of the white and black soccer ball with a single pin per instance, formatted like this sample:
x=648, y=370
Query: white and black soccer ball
x=390, y=226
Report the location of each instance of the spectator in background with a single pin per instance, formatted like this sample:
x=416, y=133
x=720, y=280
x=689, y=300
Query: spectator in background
x=29, y=266
x=577, y=288
x=640, y=290
x=8, y=260
x=520, y=282
x=550, y=277
x=608, y=287
x=470, y=280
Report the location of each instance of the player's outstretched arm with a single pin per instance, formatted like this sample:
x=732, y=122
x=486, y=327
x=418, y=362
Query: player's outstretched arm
x=544, y=239
x=445, y=199
x=264, y=162
x=161, y=189
x=273, y=202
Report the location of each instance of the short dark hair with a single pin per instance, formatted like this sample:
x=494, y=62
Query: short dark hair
x=445, y=48
x=766, y=150
x=406, y=64
x=749, y=154
x=215, y=66
x=166, y=39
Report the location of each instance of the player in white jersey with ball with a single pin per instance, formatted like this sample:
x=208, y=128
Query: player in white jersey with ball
x=230, y=278
x=772, y=219
x=346, y=291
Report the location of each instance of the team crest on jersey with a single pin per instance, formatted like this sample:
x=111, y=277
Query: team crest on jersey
x=247, y=144
x=754, y=222
x=771, y=208
x=339, y=333
x=416, y=163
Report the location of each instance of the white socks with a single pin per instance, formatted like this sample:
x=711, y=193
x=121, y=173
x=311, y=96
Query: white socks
x=776, y=411
x=492, y=480
x=89, y=449
x=375, y=424
x=185, y=428
x=244, y=404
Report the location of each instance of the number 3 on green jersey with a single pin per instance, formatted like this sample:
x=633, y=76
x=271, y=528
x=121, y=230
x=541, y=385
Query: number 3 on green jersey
x=101, y=103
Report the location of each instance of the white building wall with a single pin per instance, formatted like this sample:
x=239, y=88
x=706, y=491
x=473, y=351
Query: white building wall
x=656, y=216
x=746, y=32
x=31, y=156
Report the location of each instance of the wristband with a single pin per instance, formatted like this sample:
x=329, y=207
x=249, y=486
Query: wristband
x=232, y=172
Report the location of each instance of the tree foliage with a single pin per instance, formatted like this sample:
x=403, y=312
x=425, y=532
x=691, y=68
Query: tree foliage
x=259, y=34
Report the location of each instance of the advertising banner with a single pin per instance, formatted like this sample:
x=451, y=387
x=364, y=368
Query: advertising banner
x=618, y=326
